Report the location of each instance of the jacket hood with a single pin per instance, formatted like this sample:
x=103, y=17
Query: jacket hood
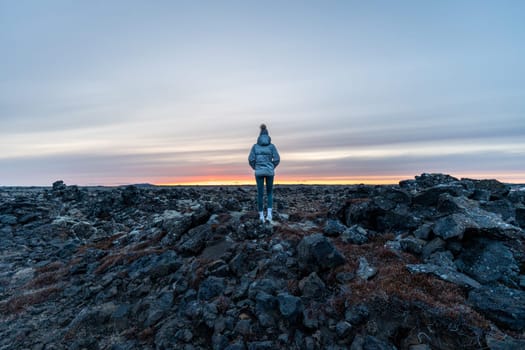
x=264, y=140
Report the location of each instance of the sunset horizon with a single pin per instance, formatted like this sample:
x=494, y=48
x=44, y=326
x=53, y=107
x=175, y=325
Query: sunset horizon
x=358, y=180
x=514, y=179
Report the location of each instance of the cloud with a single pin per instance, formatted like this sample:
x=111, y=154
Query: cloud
x=230, y=164
x=173, y=90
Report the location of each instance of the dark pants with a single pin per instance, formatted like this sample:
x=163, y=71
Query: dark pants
x=260, y=191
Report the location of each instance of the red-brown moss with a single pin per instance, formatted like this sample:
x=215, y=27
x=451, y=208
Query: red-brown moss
x=121, y=258
x=18, y=303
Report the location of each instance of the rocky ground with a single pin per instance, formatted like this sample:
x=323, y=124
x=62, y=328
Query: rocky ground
x=431, y=263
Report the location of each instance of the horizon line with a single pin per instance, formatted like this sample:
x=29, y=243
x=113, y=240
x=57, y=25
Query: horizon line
x=516, y=179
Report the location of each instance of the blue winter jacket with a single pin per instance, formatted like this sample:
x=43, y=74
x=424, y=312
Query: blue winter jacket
x=264, y=157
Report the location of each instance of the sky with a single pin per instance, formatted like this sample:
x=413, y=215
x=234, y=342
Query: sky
x=173, y=92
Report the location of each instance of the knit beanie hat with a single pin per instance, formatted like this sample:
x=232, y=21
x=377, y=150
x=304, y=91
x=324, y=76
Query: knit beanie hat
x=264, y=131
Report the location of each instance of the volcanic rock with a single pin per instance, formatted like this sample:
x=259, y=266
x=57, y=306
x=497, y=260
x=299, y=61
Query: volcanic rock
x=290, y=306
x=333, y=228
x=446, y=273
x=312, y=286
x=146, y=267
x=489, y=261
x=365, y=271
x=317, y=252
x=503, y=305
x=355, y=234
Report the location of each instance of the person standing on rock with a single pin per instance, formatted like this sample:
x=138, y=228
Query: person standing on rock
x=264, y=158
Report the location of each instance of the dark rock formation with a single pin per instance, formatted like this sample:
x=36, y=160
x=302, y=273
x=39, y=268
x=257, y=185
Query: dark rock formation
x=317, y=252
x=489, y=261
x=434, y=262
x=504, y=306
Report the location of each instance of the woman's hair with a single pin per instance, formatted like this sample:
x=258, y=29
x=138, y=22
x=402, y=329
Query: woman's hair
x=263, y=127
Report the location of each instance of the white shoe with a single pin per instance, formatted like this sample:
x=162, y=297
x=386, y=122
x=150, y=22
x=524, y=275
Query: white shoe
x=269, y=218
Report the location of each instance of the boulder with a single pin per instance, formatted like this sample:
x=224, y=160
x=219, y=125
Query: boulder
x=502, y=207
x=412, y=244
x=91, y=318
x=488, y=261
x=266, y=285
x=210, y=314
x=437, y=244
x=395, y=195
x=343, y=329
x=154, y=266
x=211, y=288
x=480, y=195
x=498, y=190
x=184, y=335
x=289, y=306
x=408, y=185
x=159, y=307
x=265, y=308
x=430, y=197
x=470, y=218
x=164, y=264
x=240, y=264
x=442, y=259
x=426, y=180
x=357, y=314
x=333, y=228
x=517, y=195
x=365, y=271
x=503, y=305
x=174, y=222
x=243, y=327
x=452, y=226
x=66, y=193
x=361, y=211
x=355, y=235
x=423, y=231
x=83, y=230
x=265, y=303
x=446, y=274
x=310, y=318
x=379, y=214
x=195, y=240
x=317, y=252
x=218, y=268
x=448, y=204
x=401, y=218
x=312, y=286
x=59, y=186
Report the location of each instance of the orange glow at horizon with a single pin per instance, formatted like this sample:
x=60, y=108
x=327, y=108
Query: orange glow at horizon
x=282, y=180
x=322, y=180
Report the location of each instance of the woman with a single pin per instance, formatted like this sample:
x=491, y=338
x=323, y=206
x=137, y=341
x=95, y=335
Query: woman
x=264, y=158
